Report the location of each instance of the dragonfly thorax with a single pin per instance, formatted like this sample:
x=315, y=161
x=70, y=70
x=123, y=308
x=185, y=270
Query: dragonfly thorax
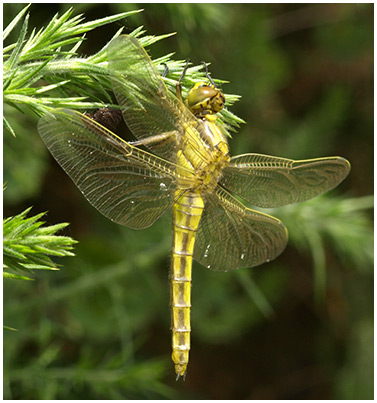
x=211, y=173
x=204, y=99
x=204, y=151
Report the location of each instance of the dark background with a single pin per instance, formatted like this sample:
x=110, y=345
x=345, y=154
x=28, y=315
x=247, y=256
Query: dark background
x=99, y=328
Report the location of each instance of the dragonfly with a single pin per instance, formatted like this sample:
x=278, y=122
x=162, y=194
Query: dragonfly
x=180, y=161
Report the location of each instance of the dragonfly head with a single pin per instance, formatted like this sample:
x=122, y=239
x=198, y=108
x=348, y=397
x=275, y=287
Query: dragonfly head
x=204, y=99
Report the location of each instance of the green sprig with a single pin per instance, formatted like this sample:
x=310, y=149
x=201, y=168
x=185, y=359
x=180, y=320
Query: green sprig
x=27, y=245
x=51, y=55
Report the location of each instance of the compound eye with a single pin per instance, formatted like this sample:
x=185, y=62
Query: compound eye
x=199, y=95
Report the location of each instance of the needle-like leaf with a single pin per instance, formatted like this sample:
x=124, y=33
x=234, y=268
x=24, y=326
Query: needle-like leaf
x=27, y=245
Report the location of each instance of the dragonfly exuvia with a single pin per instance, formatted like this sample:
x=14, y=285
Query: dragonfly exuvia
x=181, y=161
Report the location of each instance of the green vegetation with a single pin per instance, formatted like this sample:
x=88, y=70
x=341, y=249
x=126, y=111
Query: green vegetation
x=27, y=246
x=300, y=327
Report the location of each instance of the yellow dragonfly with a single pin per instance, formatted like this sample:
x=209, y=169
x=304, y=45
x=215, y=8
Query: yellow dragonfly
x=180, y=161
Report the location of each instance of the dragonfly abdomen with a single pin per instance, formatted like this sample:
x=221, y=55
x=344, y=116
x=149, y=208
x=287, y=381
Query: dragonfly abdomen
x=187, y=212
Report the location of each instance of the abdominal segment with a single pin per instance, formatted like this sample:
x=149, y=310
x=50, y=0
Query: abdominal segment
x=187, y=212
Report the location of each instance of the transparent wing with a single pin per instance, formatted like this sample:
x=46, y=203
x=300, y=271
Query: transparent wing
x=267, y=181
x=126, y=184
x=148, y=108
x=231, y=236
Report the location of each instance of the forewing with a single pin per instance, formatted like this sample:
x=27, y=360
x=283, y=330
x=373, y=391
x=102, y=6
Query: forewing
x=267, y=181
x=148, y=108
x=231, y=236
x=127, y=185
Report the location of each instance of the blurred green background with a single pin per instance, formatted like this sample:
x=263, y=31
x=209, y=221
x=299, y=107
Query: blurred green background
x=100, y=327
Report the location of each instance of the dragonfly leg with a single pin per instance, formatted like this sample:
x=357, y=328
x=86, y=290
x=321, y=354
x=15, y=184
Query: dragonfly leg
x=166, y=71
x=179, y=86
x=160, y=138
x=207, y=74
